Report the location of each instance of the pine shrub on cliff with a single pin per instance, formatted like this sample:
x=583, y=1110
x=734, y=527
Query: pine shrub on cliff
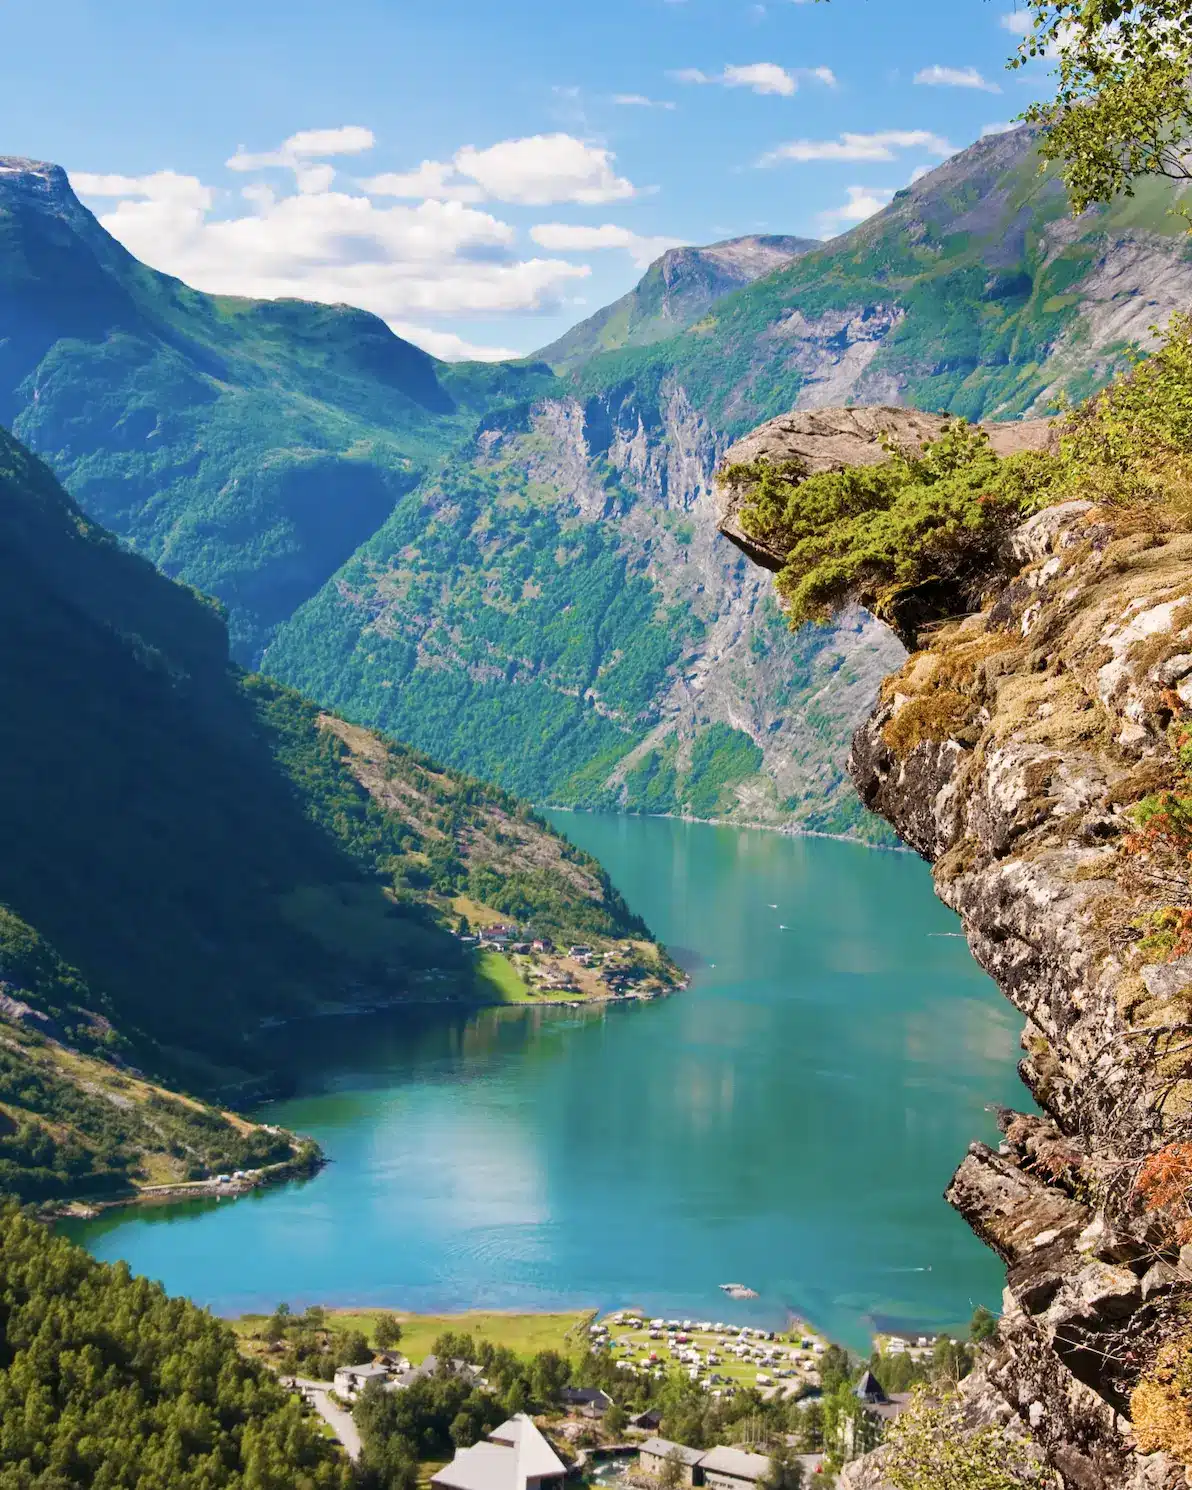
x=924, y=533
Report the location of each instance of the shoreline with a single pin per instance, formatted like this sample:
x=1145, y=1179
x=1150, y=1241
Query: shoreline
x=784, y=831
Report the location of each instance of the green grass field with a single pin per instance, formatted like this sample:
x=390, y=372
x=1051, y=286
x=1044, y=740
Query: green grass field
x=524, y=1334
x=495, y=970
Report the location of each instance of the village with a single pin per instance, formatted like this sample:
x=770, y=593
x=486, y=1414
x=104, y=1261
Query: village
x=555, y=974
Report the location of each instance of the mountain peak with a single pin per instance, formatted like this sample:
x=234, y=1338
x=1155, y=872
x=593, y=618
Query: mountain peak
x=39, y=182
x=675, y=292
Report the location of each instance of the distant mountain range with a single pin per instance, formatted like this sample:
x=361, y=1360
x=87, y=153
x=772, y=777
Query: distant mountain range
x=517, y=567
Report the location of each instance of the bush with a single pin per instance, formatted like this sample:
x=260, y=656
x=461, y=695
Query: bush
x=931, y=1446
x=933, y=522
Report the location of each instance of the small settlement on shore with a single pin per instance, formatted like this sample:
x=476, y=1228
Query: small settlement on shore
x=580, y=1431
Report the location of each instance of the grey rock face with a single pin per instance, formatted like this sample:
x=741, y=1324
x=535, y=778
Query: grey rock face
x=1025, y=815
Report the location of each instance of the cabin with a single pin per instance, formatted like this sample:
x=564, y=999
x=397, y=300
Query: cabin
x=591, y=1402
x=515, y=1456
x=431, y=1366
x=350, y=1381
x=649, y=1421
x=656, y=1453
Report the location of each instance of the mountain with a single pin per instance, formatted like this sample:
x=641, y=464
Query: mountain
x=193, y=854
x=522, y=573
x=974, y=292
x=570, y=549
x=247, y=446
x=676, y=291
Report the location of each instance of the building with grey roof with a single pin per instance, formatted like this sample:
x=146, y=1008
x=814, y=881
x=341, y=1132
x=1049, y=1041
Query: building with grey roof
x=515, y=1456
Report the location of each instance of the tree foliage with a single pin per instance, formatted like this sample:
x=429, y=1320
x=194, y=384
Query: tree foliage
x=1122, y=106
x=106, y=1381
x=930, y=1446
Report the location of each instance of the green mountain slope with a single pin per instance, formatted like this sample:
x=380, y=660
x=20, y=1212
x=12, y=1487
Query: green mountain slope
x=674, y=293
x=520, y=572
x=245, y=446
x=193, y=853
x=974, y=292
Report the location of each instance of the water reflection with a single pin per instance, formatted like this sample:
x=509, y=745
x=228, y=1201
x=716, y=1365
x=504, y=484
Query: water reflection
x=790, y=1121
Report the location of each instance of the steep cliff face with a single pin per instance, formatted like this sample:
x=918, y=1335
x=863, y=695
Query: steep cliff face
x=1012, y=750
x=571, y=555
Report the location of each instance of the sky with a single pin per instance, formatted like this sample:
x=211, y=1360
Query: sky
x=485, y=173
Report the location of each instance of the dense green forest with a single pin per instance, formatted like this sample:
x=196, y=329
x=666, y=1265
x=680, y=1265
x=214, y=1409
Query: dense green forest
x=106, y=1381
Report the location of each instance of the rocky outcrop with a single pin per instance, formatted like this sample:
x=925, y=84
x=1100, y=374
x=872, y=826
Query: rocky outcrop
x=1011, y=751
x=829, y=439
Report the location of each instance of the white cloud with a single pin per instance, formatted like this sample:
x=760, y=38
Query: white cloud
x=881, y=145
x=307, y=144
x=561, y=237
x=955, y=77
x=450, y=347
x=532, y=172
x=999, y=129
x=541, y=169
x=403, y=262
x=640, y=101
x=1019, y=22
x=433, y=178
x=918, y=173
x=761, y=77
x=863, y=202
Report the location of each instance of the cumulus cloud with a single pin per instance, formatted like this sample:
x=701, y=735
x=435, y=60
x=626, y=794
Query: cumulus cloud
x=955, y=77
x=761, y=77
x=430, y=258
x=1019, y=22
x=999, y=129
x=561, y=237
x=880, y=145
x=302, y=154
x=537, y=171
x=862, y=202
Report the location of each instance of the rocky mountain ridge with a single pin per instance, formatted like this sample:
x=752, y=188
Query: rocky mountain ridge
x=676, y=290
x=1012, y=751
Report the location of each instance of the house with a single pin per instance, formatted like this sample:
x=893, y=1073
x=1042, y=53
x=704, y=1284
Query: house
x=863, y=1430
x=543, y=944
x=648, y=1420
x=350, y=1381
x=431, y=1366
x=590, y=1401
x=733, y=1469
x=514, y=1456
x=656, y=1453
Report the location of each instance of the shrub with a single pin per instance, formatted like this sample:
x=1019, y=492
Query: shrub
x=931, y=1446
x=933, y=521
x=1161, y=1404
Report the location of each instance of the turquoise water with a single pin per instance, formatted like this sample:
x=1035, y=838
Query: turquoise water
x=789, y=1122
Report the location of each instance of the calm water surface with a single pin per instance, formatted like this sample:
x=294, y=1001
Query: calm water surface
x=789, y=1122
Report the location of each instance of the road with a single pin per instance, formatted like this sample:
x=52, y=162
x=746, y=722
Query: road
x=339, y=1421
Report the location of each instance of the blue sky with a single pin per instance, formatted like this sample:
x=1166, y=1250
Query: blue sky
x=484, y=173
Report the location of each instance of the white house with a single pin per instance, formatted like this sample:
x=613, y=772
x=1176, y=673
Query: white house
x=515, y=1456
x=350, y=1381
